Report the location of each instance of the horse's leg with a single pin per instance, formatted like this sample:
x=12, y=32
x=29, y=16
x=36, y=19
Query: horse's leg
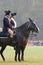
x=22, y=56
x=1, y=52
x=18, y=53
x=15, y=55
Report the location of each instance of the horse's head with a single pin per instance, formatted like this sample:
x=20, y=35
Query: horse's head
x=32, y=26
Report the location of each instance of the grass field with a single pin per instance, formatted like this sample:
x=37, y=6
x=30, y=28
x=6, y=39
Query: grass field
x=33, y=55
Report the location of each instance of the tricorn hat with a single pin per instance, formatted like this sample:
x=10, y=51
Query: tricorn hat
x=7, y=12
x=13, y=14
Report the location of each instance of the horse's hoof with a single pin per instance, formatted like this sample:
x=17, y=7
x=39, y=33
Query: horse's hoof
x=4, y=60
x=22, y=59
x=19, y=60
x=16, y=60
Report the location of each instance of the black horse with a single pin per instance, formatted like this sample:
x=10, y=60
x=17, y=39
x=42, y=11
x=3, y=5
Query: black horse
x=23, y=34
x=21, y=37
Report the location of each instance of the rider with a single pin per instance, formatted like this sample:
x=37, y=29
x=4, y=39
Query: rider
x=13, y=22
x=7, y=27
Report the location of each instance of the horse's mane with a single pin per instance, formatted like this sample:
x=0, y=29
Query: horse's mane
x=22, y=26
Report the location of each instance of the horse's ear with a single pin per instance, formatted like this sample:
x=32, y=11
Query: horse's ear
x=30, y=20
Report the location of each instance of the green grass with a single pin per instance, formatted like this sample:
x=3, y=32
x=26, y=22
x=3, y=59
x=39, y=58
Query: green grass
x=33, y=55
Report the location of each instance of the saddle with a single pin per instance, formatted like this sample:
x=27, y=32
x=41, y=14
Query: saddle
x=6, y=36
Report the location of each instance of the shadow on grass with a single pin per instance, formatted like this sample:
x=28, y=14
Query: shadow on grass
x=32, y=61
x=26, y=61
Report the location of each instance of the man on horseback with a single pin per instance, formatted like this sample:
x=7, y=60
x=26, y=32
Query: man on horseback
x=7, y=27
x=13, y=22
